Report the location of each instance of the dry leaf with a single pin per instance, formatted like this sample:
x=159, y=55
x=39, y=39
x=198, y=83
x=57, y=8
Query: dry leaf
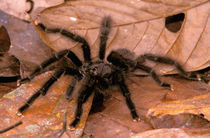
x=45, y=116
x=196, y=105
x=175, y=133
x=182, y=120
x=10, y=66
x=4, y=40
x=18, y=8
x=138, y=26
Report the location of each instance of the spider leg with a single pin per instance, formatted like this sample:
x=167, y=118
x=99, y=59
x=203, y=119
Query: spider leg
x=154, y=75
x=104, y=32
x=169, y=61
x=70, y=88
x=125, y=91
x=86, y=91
x=42, y=90
x=75, y=37
x=57, y=56
x=76, y=77
x=117, y=60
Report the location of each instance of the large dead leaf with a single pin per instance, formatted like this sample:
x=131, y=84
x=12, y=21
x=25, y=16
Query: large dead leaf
x=175, y=133
x=138, y=26
x=197, y=105
x=18, y=8
x=45, y=117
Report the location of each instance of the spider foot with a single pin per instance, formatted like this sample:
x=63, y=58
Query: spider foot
x=167, y=86
x=68, y=98
x=192, y=76
x=137, y=119
x=19, y=114
x=74, y=124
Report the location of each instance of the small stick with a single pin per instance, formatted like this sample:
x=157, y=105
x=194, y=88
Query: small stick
x=64, y=125
x=11, y=127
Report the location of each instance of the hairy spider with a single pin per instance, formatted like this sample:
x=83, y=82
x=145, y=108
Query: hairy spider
x=97, y=76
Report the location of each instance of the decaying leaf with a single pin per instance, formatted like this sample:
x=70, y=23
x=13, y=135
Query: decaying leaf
x=196, y=105
x=19, y=8
x=9, y=64
x=4, y=40
x=183, y=120
x=174, y=132
x=138, y=26
x=45, y=116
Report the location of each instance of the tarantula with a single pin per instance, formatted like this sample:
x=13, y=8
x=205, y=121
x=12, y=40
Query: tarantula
x=99, y=75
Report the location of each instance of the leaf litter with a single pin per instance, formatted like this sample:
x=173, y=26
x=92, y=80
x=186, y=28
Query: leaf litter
x=149, y=37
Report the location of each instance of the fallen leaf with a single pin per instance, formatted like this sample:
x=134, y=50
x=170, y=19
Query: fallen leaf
x=182, y=120
x=137, y=26
x=174, y=132
x=19, y=8
x=196, y=105
x=4, y=40
x=26, y=44
x=45, y=116
x=10, y=66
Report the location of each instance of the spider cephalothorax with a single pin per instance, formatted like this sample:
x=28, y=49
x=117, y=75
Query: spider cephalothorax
x=97, y=76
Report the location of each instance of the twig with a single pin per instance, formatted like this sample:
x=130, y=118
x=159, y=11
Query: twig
x=11, y=127
x=64, y=125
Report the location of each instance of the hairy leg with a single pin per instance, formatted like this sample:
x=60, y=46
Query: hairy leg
x=118, y=60
x=57, y=56
x=42, y=90
x=154, y=75
x=122, y=58
x=76, y=76
x=70, y=88
x=86, y=91
x=75, y=37
x=168, y=61
x=126, y=94
x=104, y=32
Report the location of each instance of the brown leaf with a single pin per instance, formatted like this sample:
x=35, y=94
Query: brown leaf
x=26, y=44
x=7, y=87
x=10, y=66
x=174, y=132
x=138, y=26
x=4, y=40
x=183, y=120
x=18, y=8
x=196, y=105
x=45, y=116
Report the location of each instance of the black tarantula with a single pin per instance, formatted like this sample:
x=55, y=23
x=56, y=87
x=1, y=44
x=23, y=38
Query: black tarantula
x=97, y=76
